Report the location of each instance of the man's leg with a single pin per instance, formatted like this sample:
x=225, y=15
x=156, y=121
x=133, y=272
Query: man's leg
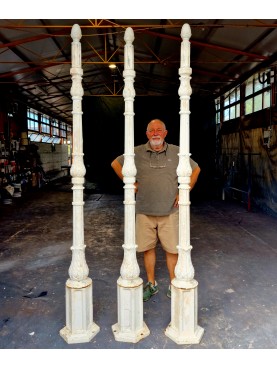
x=171, y=261
x=150, y=289
x=149, y=263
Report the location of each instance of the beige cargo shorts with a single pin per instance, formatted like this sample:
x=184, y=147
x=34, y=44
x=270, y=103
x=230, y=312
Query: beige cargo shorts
x=151, y=229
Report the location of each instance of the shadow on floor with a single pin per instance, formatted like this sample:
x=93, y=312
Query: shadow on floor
x=234, y=257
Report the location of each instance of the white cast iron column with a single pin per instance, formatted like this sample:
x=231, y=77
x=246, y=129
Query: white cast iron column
x=79, y=311
x=130, y=326
x=183, y=328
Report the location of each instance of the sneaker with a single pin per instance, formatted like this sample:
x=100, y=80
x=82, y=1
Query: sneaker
x=149, y=290
x=168, y=294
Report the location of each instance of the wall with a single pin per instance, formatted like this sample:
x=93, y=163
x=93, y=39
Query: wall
x=52, y=157
x=247, y=162
x=103, y=134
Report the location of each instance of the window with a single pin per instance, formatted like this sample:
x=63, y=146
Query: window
x=231, y=104
x=45, y=124
x=248, y=106
x=55, y=127
x=258, y=92
x=217, y=111
x=32, y=120
x=249, y=87
x=63, y=130
x=266, y=99
x=42, y=128
x=257, y=96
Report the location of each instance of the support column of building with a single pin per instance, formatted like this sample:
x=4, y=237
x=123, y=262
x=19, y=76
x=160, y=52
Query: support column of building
x=130, y=326
x=79, y=307
x=183, y=328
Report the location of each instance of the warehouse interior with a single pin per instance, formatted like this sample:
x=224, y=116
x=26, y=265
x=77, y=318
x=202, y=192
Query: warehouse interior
x=237, y=153
x=233, y=205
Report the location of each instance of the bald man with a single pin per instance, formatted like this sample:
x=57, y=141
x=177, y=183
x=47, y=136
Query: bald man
x=157, y=215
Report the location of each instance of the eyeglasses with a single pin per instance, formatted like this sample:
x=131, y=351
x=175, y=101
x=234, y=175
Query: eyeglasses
x=157, y=161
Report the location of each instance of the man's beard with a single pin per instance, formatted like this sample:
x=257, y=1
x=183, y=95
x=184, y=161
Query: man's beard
x=156, y=142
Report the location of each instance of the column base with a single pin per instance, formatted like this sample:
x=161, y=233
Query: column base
x=132, y=337
x=183, y=328
x=130, y=326
x=81, y=337
x=79, y=327
x=184, y=339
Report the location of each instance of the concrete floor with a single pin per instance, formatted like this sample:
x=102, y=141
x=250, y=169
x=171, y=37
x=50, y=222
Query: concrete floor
x=234, y=256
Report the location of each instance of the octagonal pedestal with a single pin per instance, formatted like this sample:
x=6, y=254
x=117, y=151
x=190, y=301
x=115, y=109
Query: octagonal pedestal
x=79, y=312
x=130, y=326
x=183, y=328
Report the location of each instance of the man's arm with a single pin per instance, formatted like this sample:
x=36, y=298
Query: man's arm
x=117, y=167
x=193, y=180
x=194, y=177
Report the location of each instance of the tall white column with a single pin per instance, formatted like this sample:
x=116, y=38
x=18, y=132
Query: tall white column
x=130, y=326
x=79, y=307
x=183, y=328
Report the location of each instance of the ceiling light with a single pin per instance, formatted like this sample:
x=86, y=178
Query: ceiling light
x=112, y=66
